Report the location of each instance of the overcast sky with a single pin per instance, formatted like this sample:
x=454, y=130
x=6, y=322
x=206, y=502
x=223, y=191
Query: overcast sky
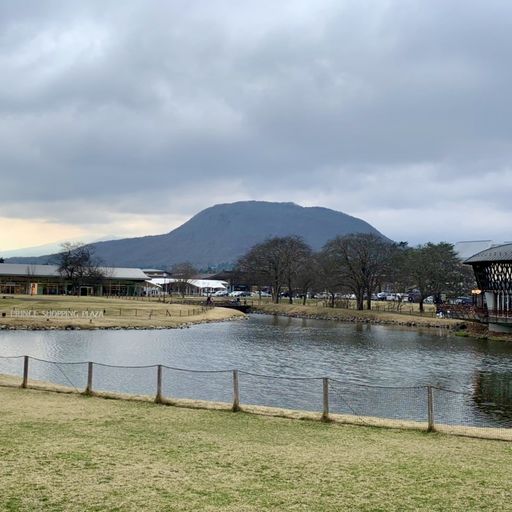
x=123, y=118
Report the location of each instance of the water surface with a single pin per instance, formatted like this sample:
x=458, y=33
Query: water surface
x=356, y=356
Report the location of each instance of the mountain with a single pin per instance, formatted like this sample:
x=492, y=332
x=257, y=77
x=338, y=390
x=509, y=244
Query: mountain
x=220, y=234
x=41, y=250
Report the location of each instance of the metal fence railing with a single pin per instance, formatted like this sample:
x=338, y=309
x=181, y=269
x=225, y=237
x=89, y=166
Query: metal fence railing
x=424, y=407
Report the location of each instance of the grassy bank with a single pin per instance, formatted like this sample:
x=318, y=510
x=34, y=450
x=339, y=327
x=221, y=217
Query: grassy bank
x=413, y=319
x=68, y=452
x=60, y=312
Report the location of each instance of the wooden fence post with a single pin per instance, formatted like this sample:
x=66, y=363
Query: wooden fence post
x=236, y=392
x=88, y=389
x=158, y=398
x=24, y=384
x=430, y=403
x=325, y=392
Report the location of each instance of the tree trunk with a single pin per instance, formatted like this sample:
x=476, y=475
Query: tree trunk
x=304, y=300
x=360, y=301
x=332, y=300
x=422, y=309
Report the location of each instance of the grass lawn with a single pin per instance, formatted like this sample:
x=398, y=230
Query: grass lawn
x=378, y=316
x=69, y=452
x=115, y=312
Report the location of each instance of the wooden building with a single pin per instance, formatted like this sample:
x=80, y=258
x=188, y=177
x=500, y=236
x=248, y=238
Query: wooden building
x=493, y=272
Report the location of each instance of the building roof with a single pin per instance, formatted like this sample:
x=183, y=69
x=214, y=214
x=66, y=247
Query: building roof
x=493, y=254
x=208, y=283
x=465, y=249
x=199, y=283
x=22, y=269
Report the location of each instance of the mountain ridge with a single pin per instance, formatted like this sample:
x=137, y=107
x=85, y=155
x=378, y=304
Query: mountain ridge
x=222, y=233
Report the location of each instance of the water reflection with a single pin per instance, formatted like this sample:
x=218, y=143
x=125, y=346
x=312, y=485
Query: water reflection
x=493, y=395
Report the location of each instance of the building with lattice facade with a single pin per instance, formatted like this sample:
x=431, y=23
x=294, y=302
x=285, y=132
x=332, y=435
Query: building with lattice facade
x=493, y=273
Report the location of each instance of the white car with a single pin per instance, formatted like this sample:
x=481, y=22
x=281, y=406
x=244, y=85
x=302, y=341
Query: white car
x=260, y=294
x=221, y=293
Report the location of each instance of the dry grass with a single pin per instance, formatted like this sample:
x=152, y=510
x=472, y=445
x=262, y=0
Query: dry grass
x=377, y=305
x=385, y=317
x=120, y=313
x=67, y=452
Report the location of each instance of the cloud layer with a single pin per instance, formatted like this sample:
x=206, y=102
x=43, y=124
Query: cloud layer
x=128, y=117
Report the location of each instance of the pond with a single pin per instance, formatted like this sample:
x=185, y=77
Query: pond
x=374, y=370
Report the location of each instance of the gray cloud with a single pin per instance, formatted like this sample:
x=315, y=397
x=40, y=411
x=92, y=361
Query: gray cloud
x=373, y=108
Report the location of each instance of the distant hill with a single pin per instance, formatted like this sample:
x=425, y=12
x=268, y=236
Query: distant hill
x=220, y=234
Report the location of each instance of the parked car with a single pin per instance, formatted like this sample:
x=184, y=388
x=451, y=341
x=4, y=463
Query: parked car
x=463, y=301
x=239, y=293
x=414, y=296
x=260, y=294
x=221, y=293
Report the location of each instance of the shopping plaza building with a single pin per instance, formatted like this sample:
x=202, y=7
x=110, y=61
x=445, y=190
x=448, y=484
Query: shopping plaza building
x=493, y=272
x=47, y=280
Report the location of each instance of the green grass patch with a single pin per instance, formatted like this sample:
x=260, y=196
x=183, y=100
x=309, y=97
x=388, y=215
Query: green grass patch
x=67, y=452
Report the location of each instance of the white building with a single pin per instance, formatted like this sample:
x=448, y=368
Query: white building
x=164, y=285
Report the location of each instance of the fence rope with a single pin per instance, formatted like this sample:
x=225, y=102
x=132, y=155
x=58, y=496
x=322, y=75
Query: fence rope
x=374, y=385
x=194, y=370
x=405, y=402
x=464, y=393
x=286, y=377
x=55, y=362
x=66, y=377
x=243, y=372
x=341, y=395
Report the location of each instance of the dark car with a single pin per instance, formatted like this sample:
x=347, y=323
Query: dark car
x=414, y=296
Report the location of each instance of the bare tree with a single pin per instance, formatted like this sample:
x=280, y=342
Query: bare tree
x=435, y=269
x=275, y=263
x=297, y=254
x=308, y=274
x=78, y=265
x=329, y=279
x=360, y=261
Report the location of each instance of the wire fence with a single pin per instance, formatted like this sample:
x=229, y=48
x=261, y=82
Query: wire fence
x=424, y=407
